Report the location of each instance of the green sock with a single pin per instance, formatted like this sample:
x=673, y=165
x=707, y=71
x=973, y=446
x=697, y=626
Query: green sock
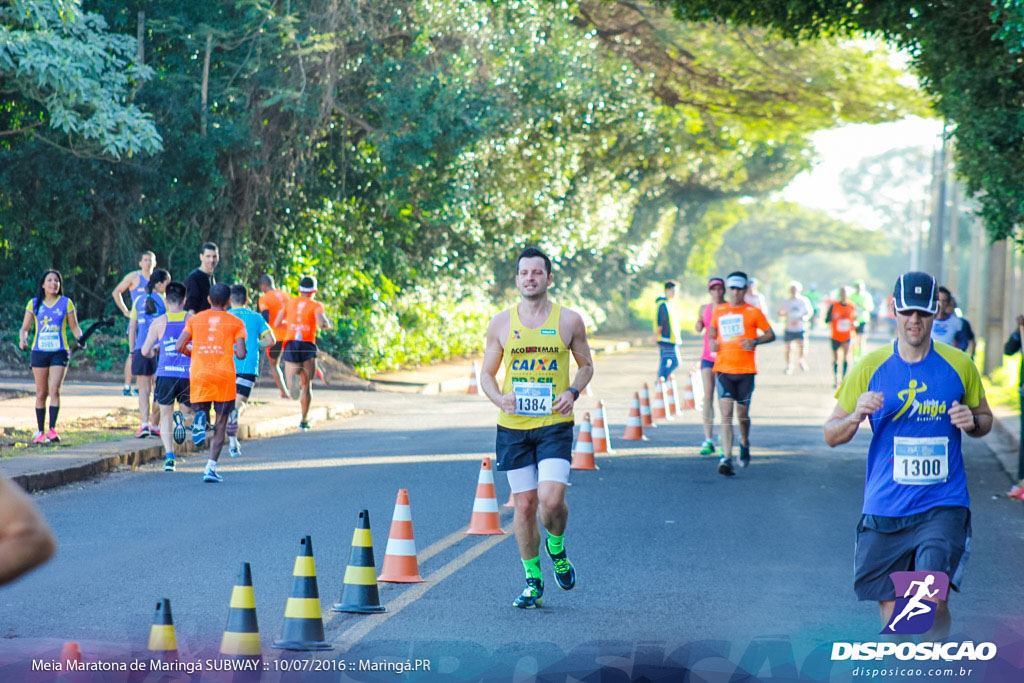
x=532, y=568
x=556, y=544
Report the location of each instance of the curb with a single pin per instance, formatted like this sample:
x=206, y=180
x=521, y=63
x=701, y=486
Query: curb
x=133, y=458
x=1005, y=447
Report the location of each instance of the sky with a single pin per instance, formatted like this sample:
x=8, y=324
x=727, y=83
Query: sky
x=842, y=148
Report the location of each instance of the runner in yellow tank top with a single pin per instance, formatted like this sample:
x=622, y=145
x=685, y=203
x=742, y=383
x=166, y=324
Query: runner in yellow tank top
x=534, y=442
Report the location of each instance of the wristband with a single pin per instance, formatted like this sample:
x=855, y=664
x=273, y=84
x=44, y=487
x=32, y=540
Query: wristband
x=575, y=393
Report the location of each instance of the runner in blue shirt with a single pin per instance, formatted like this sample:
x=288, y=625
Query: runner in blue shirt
x=258, y=336
x=919, y=396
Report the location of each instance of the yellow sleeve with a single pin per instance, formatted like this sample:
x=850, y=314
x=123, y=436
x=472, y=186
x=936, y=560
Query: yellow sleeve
x=859, y=379
x=967, y=370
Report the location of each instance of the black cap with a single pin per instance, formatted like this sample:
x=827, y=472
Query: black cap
x=916, y=291
x=307, y=284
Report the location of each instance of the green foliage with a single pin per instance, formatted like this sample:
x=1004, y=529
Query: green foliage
x=404, y=150
x=68, y=72
x=967, y=55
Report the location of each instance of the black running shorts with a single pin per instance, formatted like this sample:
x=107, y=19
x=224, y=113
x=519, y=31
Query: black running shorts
x=517, y=448
x=737, y=387
x=299, y=351
x=171, y=389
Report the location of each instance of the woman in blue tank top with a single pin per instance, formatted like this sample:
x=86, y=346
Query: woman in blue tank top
x=53, y=314
x=144, y=311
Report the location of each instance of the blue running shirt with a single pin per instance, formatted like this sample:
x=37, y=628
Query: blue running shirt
x=913, y=440
x=256, y=328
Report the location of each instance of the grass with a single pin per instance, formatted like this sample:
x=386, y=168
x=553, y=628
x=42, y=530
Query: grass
x=1002, y=386
x=118, y=425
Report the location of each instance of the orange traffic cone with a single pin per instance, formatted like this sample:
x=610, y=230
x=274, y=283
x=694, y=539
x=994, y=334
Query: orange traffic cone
x=645, y=408
x=688, y=401
x=474, y=382
x=485, y=506
x=599, y=435
x=634, y=426
x=658, y=407
x=670, y=399
x=400, y=565
x=70, y=653
x=607, y=426
x=583, y=453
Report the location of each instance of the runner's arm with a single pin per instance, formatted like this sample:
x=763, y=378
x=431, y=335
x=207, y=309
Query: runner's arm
x=713, y=337
x=123, y=286
x=278, y=319
x=76, y=329
x=267, y=339
x=975, y=422
x=26, y=327
x=183, y=339
x=489, y=369
x=240, y=347
x=156, y=330
x=133, y=331
x=699, y=326
x=842, y=426
x=25, y=539
x=323, y=321
x=580, y=348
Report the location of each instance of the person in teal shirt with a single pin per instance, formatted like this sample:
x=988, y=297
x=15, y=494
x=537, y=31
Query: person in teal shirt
x=258, y=336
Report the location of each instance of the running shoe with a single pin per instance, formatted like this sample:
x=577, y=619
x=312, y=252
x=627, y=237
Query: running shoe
x=531, y=595
x=234, y=451
x=788, y=370
x=304, y=426
x=725, y=466
x=744, y=455
x=803, y=365
x=126, y=391
x=211, y=477
x=143, y=432
x=135, y=391
x=52, y=436
x=199, y=429
x=233, y=422
x=39, y=438
x=179, y=427
x=565, y=573
x=708, y=447
x=169, y=465
x=1017, y=492
x=154, y=431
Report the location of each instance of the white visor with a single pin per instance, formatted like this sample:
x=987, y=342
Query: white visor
x=736, y=281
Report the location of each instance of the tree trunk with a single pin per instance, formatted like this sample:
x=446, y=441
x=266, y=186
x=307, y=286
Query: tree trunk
x=206, y=85
x=996, y=305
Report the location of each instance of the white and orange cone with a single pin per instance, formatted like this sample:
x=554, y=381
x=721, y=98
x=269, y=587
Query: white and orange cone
x=670, y=399
x=646, y=419
x=677, y=397
x=634, y=426
x=485, y=520
x=583, y=453
x=400, y=564
x=658, y=407
x=607, y=426
x=474, y=381
x=688, y=400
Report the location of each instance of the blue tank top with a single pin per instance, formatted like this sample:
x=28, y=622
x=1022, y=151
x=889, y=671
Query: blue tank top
x=145, y=319
x=172, y=363
x=51, y=324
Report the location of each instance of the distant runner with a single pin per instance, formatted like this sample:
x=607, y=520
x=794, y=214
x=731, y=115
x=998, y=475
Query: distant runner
x=145, y=310
x=796, y=311
x=214, y=333
x=666, y=331
x=303, y=315
x=172, y=370
x=734, y=336
x=53, y=314
x=920, y=397
x=865, y=304
x=842, y=315
x=258, y=335
x=135, y=284
x=716, y=289
x=533, y=340
x=272, y=301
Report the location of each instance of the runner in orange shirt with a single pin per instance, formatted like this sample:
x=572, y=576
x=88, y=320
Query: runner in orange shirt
x=271, y=302
x=842, y=315
x=214, y=333
x=302, y=316
x=734, y=334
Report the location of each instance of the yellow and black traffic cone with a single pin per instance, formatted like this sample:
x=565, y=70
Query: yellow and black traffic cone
x=360, y=594
x=162, y=640
x=241, y=639
x=303, y=621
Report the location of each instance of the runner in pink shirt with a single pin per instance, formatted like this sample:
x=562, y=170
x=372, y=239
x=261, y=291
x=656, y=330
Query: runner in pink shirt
x=716, y=288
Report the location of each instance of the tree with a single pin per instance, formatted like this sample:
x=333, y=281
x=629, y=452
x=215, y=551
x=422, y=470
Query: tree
x=60, y=68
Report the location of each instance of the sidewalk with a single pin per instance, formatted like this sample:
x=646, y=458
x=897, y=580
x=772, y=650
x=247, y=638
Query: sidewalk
x=1004, y=439
x=270, y=416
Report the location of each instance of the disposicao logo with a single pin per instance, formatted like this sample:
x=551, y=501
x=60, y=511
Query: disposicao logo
x=917, y=596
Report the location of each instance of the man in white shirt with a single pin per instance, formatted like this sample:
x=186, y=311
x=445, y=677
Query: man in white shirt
x=796, y=311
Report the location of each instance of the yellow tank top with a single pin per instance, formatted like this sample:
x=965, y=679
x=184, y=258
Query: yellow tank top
x=535, y=359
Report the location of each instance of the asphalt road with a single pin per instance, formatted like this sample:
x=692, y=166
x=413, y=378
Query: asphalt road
x=676, y=563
